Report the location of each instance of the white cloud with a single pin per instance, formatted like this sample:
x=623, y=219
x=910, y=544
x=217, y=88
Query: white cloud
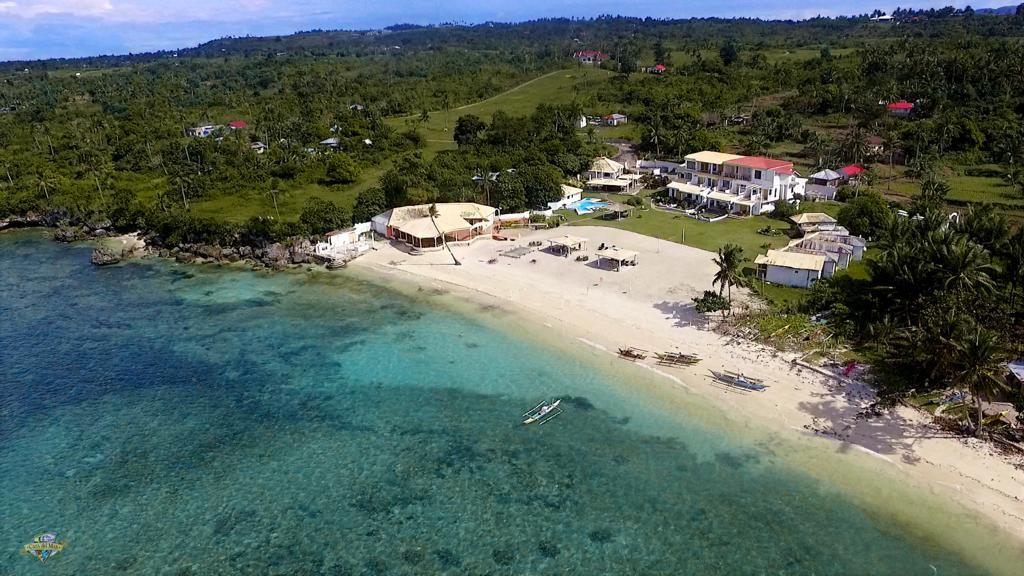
x=33, y=8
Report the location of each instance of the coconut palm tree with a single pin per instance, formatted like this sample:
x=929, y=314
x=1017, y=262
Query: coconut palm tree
x=978, y=365
x=965, y=267
x=433, y=220
x=730, y=260
x=1015, y=264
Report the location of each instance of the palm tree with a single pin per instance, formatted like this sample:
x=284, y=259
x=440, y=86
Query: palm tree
x=433, y=216
x=1015, y=264
x=729, y=262
x=965, y=267
x=978, y=363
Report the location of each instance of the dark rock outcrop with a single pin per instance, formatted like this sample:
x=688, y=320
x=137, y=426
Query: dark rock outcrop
x=103, y=256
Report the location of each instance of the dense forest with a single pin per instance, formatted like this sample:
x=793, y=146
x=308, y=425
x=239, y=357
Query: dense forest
x=335, y=127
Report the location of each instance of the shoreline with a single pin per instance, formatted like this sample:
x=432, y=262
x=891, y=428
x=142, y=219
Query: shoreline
x=960, y=483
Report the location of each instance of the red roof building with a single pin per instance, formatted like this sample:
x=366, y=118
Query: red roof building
x=851, y=170
x=901, y=105
x=762, y=163
x=590, y=56
x=238, y=125
x=659, y=69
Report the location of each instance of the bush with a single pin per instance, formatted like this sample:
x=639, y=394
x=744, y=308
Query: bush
x=319, y=216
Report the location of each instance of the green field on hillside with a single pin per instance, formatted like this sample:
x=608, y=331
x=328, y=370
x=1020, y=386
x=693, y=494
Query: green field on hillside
x=559, y=87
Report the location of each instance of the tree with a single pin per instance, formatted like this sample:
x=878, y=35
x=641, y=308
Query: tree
x=444, y=242
x=510, y=193
x=319, y=216
x=978, y=366
x=729, y=52
x=729, y=261
x=710, y=303
x=541, y=184
x=468, y=129
x=866, y=215
x=1014, y=268
x=369, y=203
x=341, y=169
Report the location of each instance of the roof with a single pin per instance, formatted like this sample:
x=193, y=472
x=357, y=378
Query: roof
x=603, y=164
x=591, y=53
x=567, y=240
x=794, y=260
x=852, y=170
x=615, y=115
x=618, y=207
x=416, y=221
x=901, y=105
x=723, y=196
x=712, y=157
x=813, y=218
x=330, y=142
x=1017, y=369
x=832, y=237
x=660, y=67
x=688, y=188
x=608, y=182
x=617, y=254
x=238, y=124
x=570, y=190
x=827, y=175
x=760, y=163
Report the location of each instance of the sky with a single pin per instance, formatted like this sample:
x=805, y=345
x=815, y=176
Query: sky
x=34, y=29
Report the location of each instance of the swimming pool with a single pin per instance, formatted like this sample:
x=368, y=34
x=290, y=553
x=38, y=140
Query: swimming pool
x=587, y=205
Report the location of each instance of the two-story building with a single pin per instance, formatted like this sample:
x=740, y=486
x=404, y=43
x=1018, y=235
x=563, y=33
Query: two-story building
x=748, y=185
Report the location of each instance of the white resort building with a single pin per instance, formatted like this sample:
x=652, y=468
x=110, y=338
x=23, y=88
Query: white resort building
x=456, y=222
x=746, y=185
x=607, y=175
x=824, y=248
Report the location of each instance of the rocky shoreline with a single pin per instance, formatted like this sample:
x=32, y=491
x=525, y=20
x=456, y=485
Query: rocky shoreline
x=268, y=256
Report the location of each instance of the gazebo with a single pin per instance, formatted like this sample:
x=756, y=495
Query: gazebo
x=617, y=211
x=567, y=244
x=618, y=257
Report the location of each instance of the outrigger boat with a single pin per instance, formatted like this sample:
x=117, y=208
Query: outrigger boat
x=543, y=413
x=740, y=381
x=632, y=353
x=676, y=359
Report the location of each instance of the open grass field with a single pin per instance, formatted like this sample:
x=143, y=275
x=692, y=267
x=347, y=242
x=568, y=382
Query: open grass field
x=559, y=87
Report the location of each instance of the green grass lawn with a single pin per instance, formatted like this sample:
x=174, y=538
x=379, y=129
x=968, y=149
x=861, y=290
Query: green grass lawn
x=558, y=87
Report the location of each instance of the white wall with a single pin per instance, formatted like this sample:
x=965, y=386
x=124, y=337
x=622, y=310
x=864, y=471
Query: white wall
x=790, y=276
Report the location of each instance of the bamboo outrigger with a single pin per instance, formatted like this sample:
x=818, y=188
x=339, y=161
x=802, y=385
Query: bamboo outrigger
x=740, y=381
x=543, y=413
x=632, y=353
x=676, y=359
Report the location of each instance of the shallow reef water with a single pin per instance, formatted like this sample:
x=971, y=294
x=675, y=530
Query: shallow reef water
x=173, y=420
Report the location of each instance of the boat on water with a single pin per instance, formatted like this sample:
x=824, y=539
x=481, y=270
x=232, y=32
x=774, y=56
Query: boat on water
x=740, y=381
x=543, y=413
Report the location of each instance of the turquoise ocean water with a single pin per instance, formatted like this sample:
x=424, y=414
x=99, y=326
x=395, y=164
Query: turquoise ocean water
x=185, y=420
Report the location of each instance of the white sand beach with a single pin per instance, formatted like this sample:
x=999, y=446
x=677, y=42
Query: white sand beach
x=650, y=306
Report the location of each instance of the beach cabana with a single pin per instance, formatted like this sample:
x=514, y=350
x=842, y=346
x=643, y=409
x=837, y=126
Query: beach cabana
x=567, y=244
x=617, y=211
x=618, y=257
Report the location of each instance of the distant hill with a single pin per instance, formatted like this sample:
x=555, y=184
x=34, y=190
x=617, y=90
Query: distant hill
x=1004, y=10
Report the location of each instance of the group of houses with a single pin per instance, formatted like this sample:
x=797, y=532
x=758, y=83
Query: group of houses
x=821, y=249
x=733, y=184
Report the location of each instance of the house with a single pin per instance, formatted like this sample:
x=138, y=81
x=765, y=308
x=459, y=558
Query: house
x=238, y=125
x=823, y=185
x=203, y=131
x=884, y=18
x=841, y=249
x=876, y=144
x=748, y=185
x=603, y=167
x=658, y=167
x=349, y=241
x=590, y=56
x=901, y=109
x=455, y=222
x=852, y=171
x=1016, y=375
x=795, y=269
x=258, y=147
x=614, y=119
x=570, y=195
x=581, y=122
x=809, y=222
x=659, y=69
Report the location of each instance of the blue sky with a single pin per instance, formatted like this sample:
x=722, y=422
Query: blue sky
x=32, y=29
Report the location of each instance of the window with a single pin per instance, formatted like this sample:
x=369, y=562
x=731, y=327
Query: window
x=691, y=165
x=757, y=174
